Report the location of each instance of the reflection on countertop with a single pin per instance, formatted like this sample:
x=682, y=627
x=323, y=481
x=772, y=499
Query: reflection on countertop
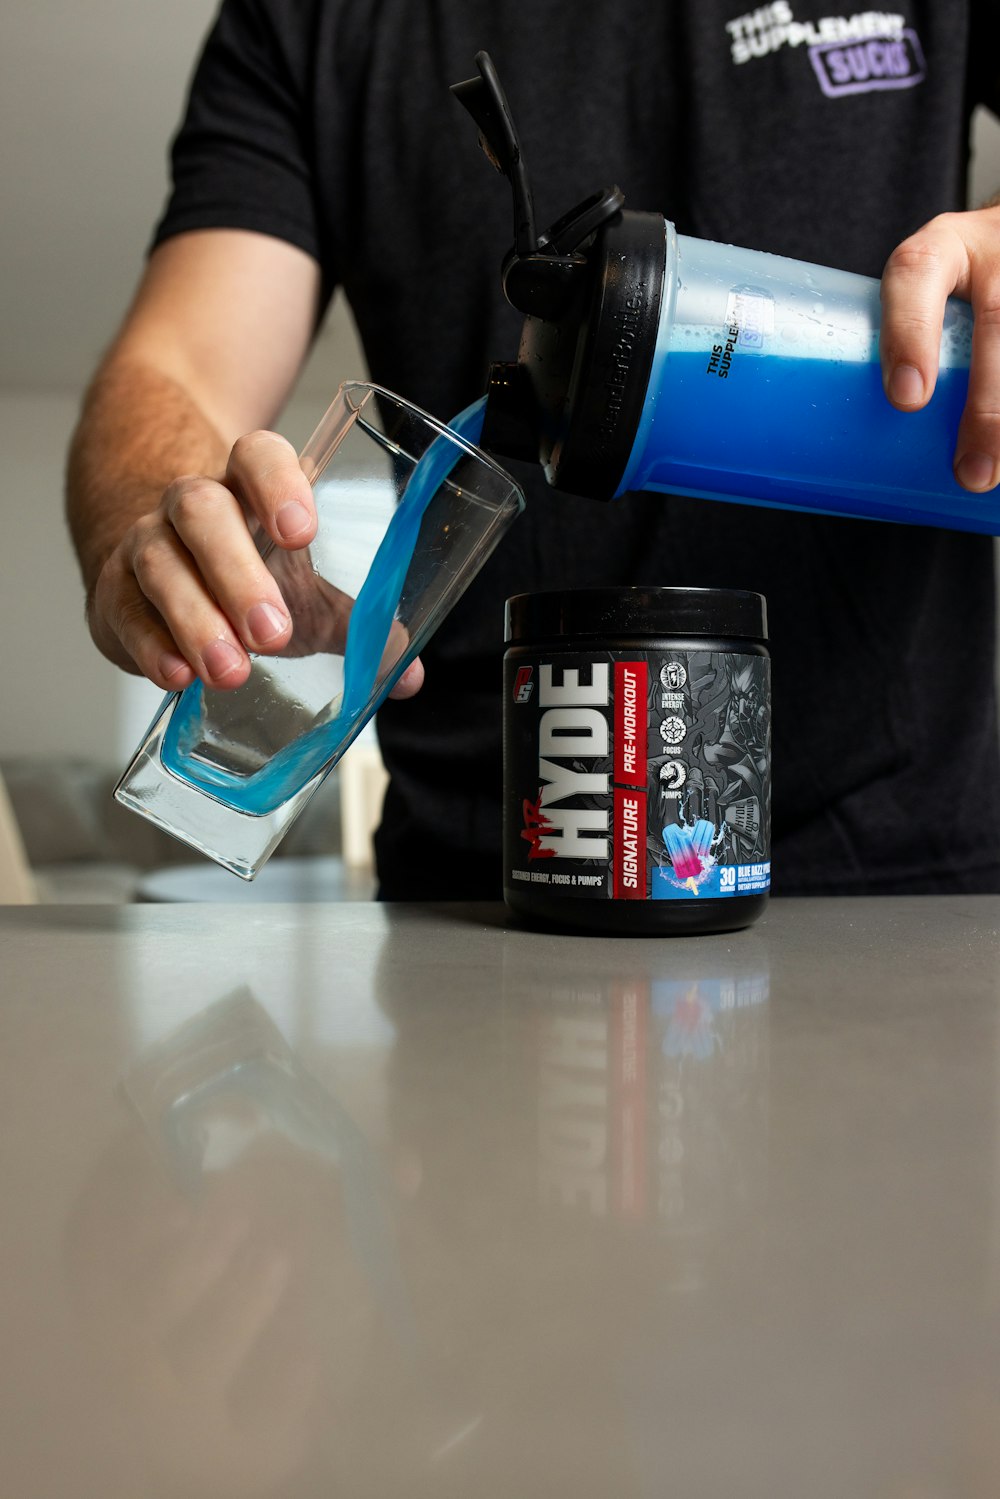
x=378, y=1201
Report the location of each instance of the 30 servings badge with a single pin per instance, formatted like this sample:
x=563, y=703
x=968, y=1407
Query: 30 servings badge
x=638, y=776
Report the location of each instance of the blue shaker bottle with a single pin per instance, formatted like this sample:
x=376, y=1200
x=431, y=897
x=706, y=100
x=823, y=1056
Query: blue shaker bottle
x=650, y=360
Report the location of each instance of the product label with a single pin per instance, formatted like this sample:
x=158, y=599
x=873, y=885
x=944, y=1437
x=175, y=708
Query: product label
x=750, y=310
x=749, y=324
x=638, y=777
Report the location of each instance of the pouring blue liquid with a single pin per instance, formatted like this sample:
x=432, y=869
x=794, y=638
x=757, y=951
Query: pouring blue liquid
x=788, y=433
x=294, y=765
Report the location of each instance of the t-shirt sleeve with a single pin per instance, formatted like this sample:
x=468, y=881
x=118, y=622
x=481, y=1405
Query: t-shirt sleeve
x=242, y=157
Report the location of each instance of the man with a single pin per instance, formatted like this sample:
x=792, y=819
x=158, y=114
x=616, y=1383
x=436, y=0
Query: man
x=321, y=146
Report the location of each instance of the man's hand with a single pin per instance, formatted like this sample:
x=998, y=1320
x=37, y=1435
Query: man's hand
x=955, y=253
x=185, y=593
x=175, y=585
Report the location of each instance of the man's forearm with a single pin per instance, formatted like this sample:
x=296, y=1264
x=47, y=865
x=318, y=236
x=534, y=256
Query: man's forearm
x=138, y=431
x=172, y=458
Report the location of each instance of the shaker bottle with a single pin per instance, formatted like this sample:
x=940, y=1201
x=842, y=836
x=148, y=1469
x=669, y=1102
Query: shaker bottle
x=650, y=360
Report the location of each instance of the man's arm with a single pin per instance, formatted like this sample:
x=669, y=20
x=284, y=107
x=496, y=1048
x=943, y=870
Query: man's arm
x=162, y=476
x=960, y=253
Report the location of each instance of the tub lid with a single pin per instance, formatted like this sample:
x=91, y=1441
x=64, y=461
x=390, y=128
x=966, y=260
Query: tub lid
x=606, y=612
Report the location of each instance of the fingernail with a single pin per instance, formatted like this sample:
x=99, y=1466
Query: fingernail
x=292, y=519
x=266, y=621
x=975, y=471
x=221, y=658
x=906, y=385
x=170, y=665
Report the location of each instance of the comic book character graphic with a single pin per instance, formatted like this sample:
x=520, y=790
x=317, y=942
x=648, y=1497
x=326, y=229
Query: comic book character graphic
x=713, y=805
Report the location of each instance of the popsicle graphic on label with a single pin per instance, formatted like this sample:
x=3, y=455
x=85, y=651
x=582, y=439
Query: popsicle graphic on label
x=689, y=850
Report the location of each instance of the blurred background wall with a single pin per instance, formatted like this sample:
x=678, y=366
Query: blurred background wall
x=89, y=95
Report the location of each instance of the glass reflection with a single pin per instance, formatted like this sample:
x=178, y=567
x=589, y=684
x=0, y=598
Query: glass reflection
x=285, y=1302
x=236, y=1274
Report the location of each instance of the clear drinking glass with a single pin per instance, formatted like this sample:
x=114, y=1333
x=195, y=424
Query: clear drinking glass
x=409, y=510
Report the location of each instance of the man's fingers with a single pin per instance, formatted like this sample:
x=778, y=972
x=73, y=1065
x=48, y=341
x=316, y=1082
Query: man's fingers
x=977, y=452
x=919, y=276
x=186, y=593
x=956, y=253
x=131, y=634
x=167, y=579
x=411, y=681
x=264, y=472
x=208, y=520
x=395, y=647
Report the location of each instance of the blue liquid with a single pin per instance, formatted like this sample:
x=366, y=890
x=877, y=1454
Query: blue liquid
x=805, y=434
x=293, y=767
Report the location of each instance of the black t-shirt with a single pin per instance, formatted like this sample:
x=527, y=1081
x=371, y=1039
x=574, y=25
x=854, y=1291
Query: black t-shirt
x=331, y=125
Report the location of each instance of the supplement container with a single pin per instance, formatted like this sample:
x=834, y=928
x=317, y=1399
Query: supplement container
x=637, y=759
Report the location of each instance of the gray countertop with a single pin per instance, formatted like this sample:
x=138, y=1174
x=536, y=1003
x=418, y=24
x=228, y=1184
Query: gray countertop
x=364, y=1200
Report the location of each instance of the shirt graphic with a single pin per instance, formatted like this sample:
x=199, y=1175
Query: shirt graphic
x=858, y=54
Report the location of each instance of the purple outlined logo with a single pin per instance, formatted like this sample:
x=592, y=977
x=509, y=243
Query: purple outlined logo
x=864, y=67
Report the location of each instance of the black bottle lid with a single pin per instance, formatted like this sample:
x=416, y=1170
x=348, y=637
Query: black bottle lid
x=590, y=290
x=610, y=612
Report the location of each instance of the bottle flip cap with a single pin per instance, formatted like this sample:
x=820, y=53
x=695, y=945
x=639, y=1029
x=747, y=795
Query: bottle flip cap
x=590, y=291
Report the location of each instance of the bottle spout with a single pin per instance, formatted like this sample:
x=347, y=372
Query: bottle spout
x=486, y=102
x=589, y=289
x=542, y=273
x=510, y=425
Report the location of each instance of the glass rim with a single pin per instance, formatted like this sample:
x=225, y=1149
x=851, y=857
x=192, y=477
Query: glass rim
x=441, y=428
